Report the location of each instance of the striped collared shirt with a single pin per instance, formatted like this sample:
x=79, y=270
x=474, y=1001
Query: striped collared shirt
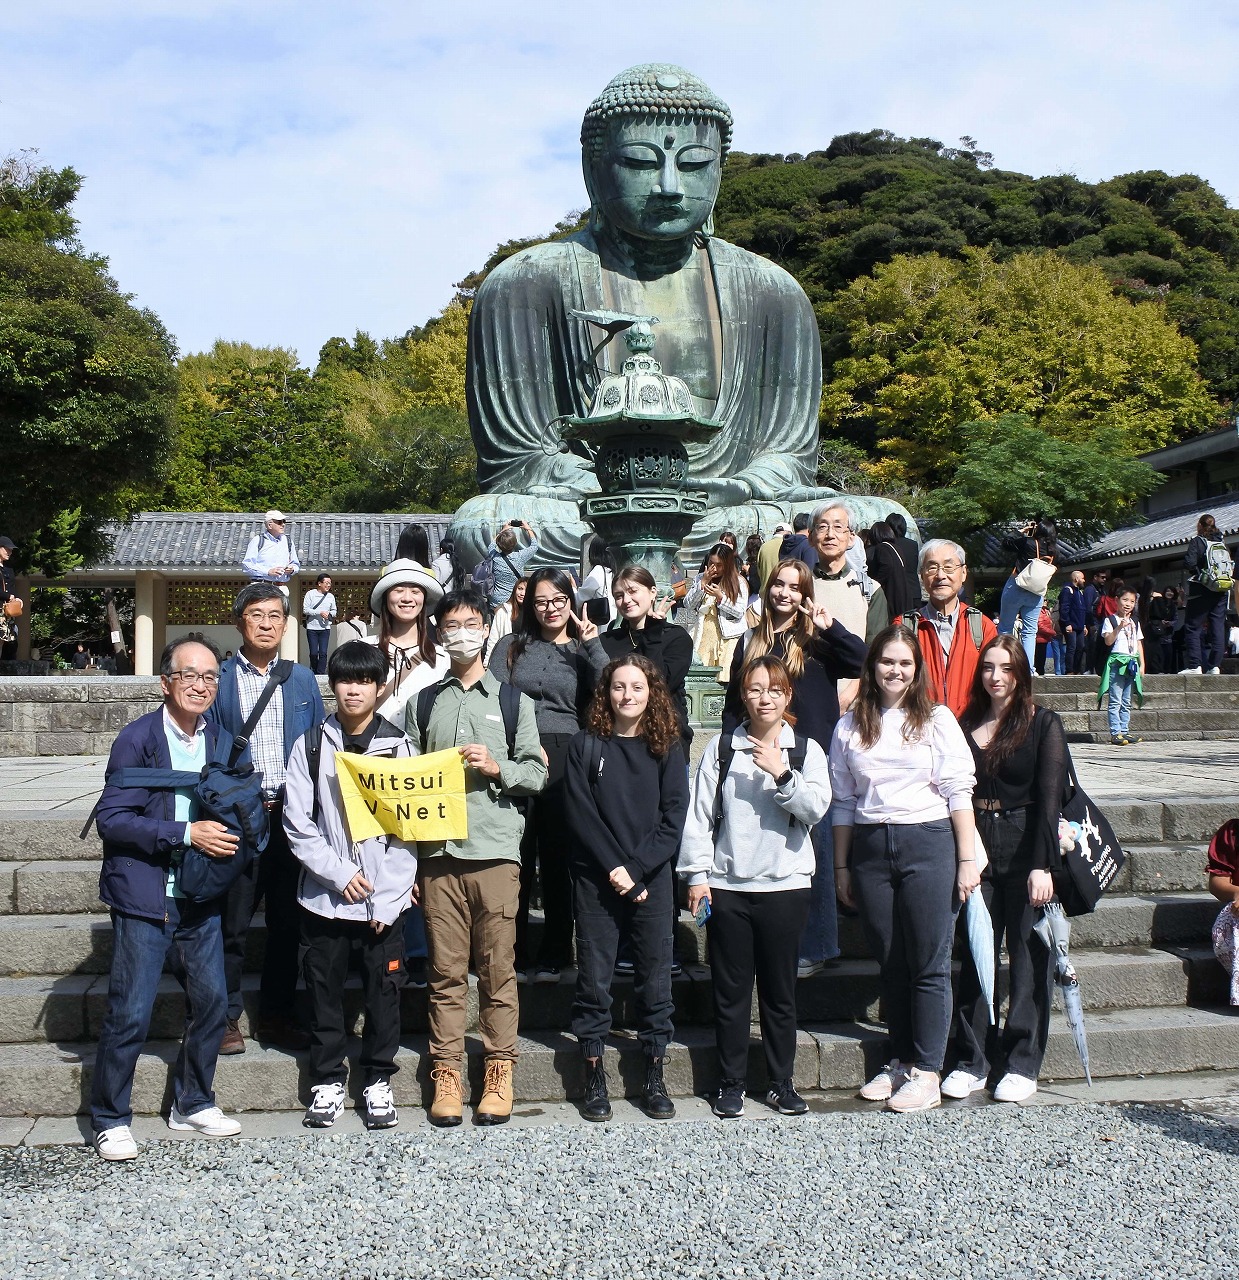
x=943, y=624
x=267, y=740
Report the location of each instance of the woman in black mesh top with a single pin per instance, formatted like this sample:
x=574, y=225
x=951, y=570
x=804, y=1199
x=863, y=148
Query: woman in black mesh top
x=1020, y=751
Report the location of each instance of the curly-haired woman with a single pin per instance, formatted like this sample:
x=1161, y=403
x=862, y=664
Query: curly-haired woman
x=626, y=793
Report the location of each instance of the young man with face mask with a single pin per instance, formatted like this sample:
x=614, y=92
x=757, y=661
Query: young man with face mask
x=469, y=889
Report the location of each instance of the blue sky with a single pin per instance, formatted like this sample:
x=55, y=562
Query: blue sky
x=282, y=173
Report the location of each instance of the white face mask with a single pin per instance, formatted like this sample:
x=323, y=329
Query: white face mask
x=465, y=643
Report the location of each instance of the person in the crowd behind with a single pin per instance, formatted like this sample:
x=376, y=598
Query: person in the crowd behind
x=260, y=612
x=1210, y=586
x=353, y=895
x=403, y=602
x=1038, y=540
x=1172, y=645
x=905, y=855
x=556, y=658
x=446, y=567
x=626, y=787
x=818, y=652
x=9, y=598
x=748, y=853
x=509, y=559
x=1047, y=648
x=1020, y=754
x=1156, y=613
x=318, y=607
x=1222, y=870
x=951, y=633
x=593, y=597
x=1093, y=594
x=771, y=553
x=1124, y=670
x=1073, y=619
x=886, y=567
x=81, y=659
x=796, y=545
x=909, y=555
x=270, y=556
x=469, y=888
x=750, y=567
x=715, y=607
x=506, y=616
x=145, y=834
x=413, y=544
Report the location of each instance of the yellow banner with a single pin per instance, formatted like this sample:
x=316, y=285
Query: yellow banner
x=420, y=798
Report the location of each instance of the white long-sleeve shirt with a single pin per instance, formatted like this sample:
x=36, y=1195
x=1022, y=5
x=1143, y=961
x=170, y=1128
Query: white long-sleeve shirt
x=757, y=850
x=266, y=553
x=900, y=782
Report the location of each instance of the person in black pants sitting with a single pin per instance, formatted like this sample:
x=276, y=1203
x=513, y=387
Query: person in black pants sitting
x=626, y=792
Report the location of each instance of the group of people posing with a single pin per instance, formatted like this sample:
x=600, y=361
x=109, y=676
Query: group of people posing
x=860, y=756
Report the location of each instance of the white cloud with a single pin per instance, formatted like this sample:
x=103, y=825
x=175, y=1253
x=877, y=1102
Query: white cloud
x=281, y=173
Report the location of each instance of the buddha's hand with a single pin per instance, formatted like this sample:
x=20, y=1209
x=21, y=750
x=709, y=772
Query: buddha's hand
x=724, y=493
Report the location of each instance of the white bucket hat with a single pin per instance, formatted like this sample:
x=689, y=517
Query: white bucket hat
x=406, y=573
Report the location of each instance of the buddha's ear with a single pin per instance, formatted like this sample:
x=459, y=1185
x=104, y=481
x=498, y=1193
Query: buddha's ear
x=707, y=227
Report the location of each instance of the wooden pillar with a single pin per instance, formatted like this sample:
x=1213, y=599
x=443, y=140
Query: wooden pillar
x=21, y=588
x=290, y=645
x=144, y=623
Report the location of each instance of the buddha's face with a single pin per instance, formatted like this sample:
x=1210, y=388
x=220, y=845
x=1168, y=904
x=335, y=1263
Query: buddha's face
x=655, y=179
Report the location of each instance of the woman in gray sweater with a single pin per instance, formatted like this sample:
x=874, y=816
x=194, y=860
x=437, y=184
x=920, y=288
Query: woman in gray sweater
x=556, y=658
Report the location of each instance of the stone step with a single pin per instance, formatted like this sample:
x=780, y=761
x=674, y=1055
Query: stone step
x=1153, y=684
x=54, y=1079
x=34, y=837
x=1181, y=722
x=1155, y=699
x=72, y=1006
x=1101, y=736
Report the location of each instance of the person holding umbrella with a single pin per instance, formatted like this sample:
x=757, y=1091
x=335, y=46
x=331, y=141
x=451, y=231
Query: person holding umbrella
x=1020, y=753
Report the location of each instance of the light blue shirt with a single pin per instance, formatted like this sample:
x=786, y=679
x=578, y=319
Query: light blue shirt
x=267, y=552
x=185, y=751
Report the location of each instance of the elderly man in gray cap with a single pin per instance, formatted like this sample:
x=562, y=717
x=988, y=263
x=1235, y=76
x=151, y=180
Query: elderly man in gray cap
x=270, y=556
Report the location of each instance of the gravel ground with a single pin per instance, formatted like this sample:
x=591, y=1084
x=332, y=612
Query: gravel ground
x=1087, y=1191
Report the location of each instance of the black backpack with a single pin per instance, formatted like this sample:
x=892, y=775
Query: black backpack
x=726, y=753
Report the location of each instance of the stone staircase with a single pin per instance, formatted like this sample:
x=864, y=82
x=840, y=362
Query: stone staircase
x=1155, y=997
x=1176, y=708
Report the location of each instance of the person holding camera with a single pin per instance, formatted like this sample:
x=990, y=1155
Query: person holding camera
x=508, y=560
x=1036, y=549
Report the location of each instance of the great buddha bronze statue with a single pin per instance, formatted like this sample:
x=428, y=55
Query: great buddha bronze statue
x=735, y=327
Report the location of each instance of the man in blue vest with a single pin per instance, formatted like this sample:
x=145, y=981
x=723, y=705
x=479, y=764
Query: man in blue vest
x=145, y=834
x=261, y=616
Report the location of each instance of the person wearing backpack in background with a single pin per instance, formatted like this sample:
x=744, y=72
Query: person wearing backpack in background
x=499, y=570
x=951, y=634
x=1073, y=619
x=748, y=860
x=1209, y=587
x=353, y=895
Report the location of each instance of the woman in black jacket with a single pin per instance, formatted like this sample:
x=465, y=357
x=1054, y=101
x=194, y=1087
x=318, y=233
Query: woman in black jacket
x=887, y=568
x=1020, y=752
x=1205, y=632
x=626, y=786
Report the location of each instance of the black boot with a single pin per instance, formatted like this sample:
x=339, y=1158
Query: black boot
x=654, y=1100
x=596, y=1106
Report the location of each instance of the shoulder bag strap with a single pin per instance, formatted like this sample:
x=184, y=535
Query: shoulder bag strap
x=280, y=672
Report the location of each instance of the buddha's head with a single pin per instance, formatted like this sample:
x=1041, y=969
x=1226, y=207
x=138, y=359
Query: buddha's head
x=652, y=148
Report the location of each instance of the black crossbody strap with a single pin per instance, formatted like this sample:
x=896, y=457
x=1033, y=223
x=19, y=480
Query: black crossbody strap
x=280, y=672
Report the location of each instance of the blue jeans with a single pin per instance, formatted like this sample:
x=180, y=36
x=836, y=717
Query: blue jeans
x=1018, y=603
x=1057, y=659
x=318, y=642
x=820, y=939
x=414, y=934
x=139, y=948
x=1119, y=706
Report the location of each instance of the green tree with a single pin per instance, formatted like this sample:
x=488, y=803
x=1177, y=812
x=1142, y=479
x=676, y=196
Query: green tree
x=87, y=381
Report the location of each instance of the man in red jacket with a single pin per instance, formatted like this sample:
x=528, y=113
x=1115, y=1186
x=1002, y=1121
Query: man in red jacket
x=951, y=634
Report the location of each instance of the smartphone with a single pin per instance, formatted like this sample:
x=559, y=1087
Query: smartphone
x=702, y=914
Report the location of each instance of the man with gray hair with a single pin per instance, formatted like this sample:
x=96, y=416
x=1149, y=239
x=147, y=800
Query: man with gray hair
x=293, y=706
x=270, y=556
x=850, y=594
x=951, y=634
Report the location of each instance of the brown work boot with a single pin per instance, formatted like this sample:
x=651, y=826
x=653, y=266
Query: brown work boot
x=233, y=1041
x=496, y=1104
x=448, y=1105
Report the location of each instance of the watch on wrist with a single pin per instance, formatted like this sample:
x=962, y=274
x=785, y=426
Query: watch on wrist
x=784, y=778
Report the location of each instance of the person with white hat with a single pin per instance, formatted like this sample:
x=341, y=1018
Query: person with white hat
x=402, y=601
x=270, y=556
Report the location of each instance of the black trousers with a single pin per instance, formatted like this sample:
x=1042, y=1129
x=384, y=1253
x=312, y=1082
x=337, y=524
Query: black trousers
x=1019, y=1045
x=329, y=947
x=272, y=880
x=601, y=916
x=544, y=855
x=755, y=936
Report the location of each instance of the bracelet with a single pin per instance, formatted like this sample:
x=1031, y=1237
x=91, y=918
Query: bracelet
x=959, y=862
x=844, y=867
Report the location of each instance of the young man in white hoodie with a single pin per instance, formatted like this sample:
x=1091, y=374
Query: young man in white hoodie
x=353, y=895
x=748, y=852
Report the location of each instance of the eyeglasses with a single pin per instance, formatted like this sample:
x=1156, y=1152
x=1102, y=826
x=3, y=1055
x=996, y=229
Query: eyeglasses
x=949, y=567
x=826, y=527
x=208, y=679
x=555, y=602
x=455, y=628
x=251, y=616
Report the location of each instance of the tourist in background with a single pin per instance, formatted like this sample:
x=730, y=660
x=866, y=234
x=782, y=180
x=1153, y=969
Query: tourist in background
x=1210, y=586
x=818, y=651
x=556, y=658
x=909, y=554
x=905, y=855
x=748, y=853
x=1124, y=669
x=1036, y=544
x=1093, y=594
x=270, y=556
x=593, y=596
x=510, y=559
x=446, y=567
x=771, y=553
x=1157, y=614
x=886, y=567
x=506, y=616
x=1020, y=754
x=750, y=568
x=626, y=793
x=1073, y=619
x=715, y=607
x=318, y=607
x=9, y=601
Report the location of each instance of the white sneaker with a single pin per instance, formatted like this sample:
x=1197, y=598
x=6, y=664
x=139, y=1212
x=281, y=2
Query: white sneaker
x=1013, y=1088
x=920, y=1092
x=380, y=1106
x=1214, y=671
x=116, y=1143
x=210, y=1122
x=890, y=1079
x=962, y=1084
x=1191, y=671
x=326, y=1107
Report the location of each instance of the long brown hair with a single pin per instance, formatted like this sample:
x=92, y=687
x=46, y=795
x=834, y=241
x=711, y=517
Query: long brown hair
x=917, y=704
x=798, y=638
x=1016, y=720
x=777, y=675
x=659, y=724
x=729, y=579
x=425, y=632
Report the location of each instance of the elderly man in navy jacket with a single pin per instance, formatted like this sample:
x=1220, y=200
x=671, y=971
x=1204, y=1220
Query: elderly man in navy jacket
x=261, y=616
x=144, y=834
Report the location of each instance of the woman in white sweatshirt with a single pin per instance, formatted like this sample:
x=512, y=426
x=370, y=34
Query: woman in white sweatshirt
x=747, y=853
x=905, y=839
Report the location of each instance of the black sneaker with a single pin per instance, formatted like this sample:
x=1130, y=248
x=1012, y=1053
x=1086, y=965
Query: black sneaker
x=782, y=1096
x=654, y=1100
x=624, y=969
x=380, y=1106
x=676, y=968
x=327, y=1107
x=729, y=1105
x=547, y=973
x=596, y=1105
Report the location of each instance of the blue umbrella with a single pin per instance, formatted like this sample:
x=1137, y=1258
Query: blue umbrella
x=981, y=944
x=1054, y=929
